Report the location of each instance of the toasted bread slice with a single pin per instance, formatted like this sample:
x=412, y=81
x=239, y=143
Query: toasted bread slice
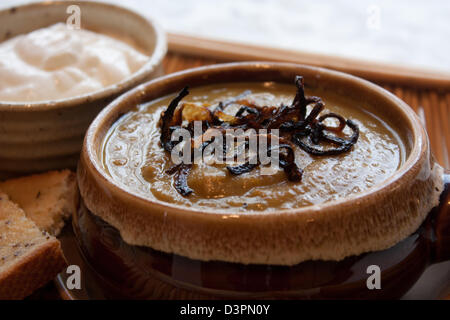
x=48, y=199
x=29, y=257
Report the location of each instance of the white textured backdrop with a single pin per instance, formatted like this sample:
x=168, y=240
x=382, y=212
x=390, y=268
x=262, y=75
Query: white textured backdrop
x=414, y=32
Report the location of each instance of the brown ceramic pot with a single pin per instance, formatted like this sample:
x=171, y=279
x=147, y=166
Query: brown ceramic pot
x=143, y=248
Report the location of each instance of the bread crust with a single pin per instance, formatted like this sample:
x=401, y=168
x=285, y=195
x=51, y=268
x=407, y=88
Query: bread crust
x=48, y=199
x=32, y=271
x=30, y=258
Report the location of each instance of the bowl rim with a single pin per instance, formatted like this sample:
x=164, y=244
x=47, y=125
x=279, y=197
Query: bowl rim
x=420, y=143
x=155, y=59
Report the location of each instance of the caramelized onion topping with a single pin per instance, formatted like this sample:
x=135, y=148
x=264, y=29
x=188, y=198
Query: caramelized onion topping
x=167, y=119
x=307, y=131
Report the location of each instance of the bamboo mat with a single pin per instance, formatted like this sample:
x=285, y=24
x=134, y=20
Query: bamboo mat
x=431, y=104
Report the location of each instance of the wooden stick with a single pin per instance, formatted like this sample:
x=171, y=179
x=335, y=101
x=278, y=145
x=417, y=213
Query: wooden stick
x=229, y=51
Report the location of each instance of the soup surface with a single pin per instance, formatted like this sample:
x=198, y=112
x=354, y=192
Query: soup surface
x=134, y=157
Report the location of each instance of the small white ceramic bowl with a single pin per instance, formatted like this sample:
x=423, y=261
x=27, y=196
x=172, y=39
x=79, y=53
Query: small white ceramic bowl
x=48, y=135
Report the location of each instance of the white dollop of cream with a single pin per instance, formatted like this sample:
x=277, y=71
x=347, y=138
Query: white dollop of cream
x=56, y=63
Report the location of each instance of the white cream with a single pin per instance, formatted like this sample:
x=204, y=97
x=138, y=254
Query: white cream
x=57, y=63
